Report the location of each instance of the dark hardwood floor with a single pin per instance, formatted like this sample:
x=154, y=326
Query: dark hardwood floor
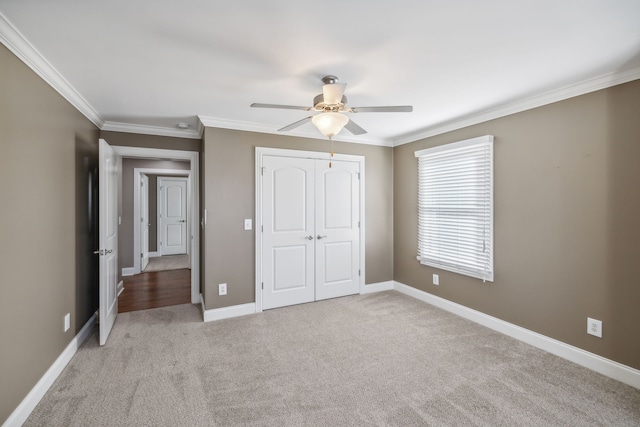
x=157, y=289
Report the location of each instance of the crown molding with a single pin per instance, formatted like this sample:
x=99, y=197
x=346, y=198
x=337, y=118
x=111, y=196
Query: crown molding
x=20, y=46
x=576, y=89
x=262, y=128
x=154, y=130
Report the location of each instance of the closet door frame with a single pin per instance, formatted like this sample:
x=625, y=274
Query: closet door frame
x=260, y=152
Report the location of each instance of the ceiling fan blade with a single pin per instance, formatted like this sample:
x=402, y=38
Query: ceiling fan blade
x=295, y=124
x=354, y=128
x=332, y=93
x=387, y=109
x=285, y=107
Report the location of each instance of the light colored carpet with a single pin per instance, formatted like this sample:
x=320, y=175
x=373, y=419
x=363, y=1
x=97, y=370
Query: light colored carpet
x=167, y=262
x=378, y=359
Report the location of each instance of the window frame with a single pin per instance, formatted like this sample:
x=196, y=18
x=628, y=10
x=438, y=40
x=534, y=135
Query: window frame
x=430, y=250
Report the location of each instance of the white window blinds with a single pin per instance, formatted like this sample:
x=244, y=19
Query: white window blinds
x=455, y=207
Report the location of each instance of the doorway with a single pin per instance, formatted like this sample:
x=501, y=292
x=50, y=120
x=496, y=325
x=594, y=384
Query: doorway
x=311, y=244
x=191, y=229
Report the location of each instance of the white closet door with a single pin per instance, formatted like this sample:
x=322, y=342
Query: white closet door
x=288, y=235
x=337, y=229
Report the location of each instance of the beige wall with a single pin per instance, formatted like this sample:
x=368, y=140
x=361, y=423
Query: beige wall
x=567, y=221
x=125, y=139
x=48, y=167
x=229, y=197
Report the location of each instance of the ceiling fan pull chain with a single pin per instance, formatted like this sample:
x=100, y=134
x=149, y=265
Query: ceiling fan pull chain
x=331, y=139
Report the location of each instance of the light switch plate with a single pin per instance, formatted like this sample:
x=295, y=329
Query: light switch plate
x=248, y=224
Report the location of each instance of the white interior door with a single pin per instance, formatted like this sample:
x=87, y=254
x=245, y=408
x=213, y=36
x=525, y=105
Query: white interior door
x=311, y=235
x=337, y=229
x=144, y=221
x=172, y=211
x=288, y=235
x=108, y=252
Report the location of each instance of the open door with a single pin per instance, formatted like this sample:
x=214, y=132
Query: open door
x=108, y=252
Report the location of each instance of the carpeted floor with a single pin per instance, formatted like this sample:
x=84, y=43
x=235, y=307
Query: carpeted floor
x=377, y=359
x=167, y=262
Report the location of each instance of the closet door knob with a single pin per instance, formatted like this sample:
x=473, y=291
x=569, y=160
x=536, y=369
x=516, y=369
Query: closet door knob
x=309, y=237
x=319, y=237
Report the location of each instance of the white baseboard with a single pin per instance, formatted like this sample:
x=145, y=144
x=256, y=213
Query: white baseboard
x=610, y=368
x=120, y=287
x=153, y=254
x=128, y=271
x=28, y=404
x=226, y=312
x=377, y=287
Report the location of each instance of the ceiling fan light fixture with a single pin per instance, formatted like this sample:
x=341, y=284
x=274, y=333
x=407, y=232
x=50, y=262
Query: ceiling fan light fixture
x=330, y=124
x=332, y=93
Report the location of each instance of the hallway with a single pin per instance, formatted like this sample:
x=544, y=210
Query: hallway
x=155, y=289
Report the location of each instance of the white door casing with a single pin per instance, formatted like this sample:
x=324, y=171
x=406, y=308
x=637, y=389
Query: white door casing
x=193, y=157
x=310, y=226
x=172, y=215
x=288, y=227
x=138, y=173
x=108, y=251
x=144, y=221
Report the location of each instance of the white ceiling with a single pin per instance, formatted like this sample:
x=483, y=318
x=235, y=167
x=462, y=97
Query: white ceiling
x=146, y=65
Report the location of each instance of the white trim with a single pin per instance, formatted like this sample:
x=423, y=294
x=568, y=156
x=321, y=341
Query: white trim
x=377, y=287
x=226, y=312
x=216, y=122
x=13, y=39
x=262, y=151
x=137, y=174
x=28, y=404
x=602, y=365
x=120, y=287
x=194, y=191
x=129, y=271
x=153, y=130
x=570, y=91
x=154, y=254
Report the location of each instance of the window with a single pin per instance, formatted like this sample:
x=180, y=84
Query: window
x=455, y=207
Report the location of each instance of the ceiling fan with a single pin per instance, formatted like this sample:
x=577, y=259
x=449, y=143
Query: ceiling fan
x=331, y=105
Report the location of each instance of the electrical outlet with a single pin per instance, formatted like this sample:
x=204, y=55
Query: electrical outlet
x=436, y=279
x=222, y=289
x=67, y=321
x=594, y=327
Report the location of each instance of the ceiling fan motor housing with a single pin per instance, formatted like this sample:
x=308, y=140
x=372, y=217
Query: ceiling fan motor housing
x=319, y=104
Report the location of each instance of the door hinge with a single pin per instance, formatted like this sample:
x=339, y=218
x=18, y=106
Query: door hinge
x=359, y=272
x=141, y=183
x=263, y=285
x=358, y=224
x=141, y=219
x=358, y=173
x=141, y=256
x=262, y=228
x=262, y=170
